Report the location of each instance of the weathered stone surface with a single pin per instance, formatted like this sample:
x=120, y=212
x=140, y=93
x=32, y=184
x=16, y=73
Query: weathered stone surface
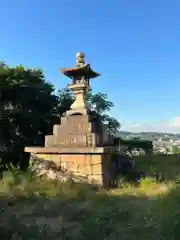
x=78, y=123
x=67, y=140
x=78, y=130
x=73, y=167
x=48, y=169
x=67, y=150
x=74, y=131
x=73, y=124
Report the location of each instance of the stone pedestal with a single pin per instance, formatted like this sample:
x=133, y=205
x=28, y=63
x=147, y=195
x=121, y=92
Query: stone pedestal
x=93, y=165
x=79, y=146
x=79, y=131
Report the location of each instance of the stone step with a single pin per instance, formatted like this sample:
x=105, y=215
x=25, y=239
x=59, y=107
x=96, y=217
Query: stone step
x=67, y=140
x=66, y=129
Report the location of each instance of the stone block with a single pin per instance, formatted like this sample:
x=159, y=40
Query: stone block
x=96, y=159
x=49, y=140
x=97, y=169
x=56, y=159
x=77, y=124
x=95, y=179
x=89, y=170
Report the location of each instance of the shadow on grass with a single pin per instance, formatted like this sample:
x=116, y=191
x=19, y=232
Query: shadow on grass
x=44, y=210
x=163, y=168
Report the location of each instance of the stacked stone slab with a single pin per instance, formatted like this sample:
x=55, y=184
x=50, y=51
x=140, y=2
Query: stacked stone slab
x=78, y=131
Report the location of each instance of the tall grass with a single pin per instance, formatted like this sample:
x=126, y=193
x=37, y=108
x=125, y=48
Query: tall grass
x=36, y=209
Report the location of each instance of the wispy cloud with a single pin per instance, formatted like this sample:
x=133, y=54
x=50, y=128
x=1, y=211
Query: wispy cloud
x=173, y=126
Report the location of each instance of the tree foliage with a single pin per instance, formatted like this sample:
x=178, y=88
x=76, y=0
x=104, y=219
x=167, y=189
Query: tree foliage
x=65, y=99
x=136, y=143
x=146, y=145
x=26, y=110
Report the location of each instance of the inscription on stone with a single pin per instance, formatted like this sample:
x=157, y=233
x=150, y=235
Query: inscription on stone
x=73, y=140
x=75, y=131
x=78, y=124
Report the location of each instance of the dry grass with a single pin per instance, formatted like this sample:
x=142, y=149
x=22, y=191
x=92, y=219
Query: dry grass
x=43, y=210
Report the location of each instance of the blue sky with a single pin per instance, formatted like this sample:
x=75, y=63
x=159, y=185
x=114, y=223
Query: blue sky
x=134, y=44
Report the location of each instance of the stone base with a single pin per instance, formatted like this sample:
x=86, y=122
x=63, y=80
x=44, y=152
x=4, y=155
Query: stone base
x=92, y=164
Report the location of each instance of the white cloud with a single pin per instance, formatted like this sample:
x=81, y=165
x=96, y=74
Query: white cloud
x=173, y=126
x=176, y=122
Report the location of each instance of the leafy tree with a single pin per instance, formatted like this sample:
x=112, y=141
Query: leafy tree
x=65, y=100
x=27, y=110
x=112, y=124
x=137, y=143
x=103, y=106
x=100, y=102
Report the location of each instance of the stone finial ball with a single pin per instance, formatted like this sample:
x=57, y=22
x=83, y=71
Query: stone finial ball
x=80, y=55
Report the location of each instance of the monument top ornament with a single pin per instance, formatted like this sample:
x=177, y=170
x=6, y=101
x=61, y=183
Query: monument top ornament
x=81, y=69
x=80, y=75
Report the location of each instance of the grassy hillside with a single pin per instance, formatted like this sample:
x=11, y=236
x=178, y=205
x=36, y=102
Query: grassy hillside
x=34, y=209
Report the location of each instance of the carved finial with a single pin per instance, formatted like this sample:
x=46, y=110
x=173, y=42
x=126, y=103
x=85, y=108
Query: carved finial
x=80, y=61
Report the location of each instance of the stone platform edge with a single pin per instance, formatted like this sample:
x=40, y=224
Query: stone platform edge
x=83, y=150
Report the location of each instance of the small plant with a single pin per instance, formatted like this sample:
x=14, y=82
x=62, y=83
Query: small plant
x=177, y=180
x=146, y=182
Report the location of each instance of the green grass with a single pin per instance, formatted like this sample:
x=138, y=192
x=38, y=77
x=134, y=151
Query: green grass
x=166, y=166
x=44, y=209
x=34, y=209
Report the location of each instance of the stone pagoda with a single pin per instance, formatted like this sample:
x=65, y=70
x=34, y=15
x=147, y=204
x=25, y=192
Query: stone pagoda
x=79, y=144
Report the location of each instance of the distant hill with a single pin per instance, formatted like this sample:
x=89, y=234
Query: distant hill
x=146, y=135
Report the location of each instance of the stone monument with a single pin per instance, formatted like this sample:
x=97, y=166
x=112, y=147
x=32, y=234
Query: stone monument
x=79, y=143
